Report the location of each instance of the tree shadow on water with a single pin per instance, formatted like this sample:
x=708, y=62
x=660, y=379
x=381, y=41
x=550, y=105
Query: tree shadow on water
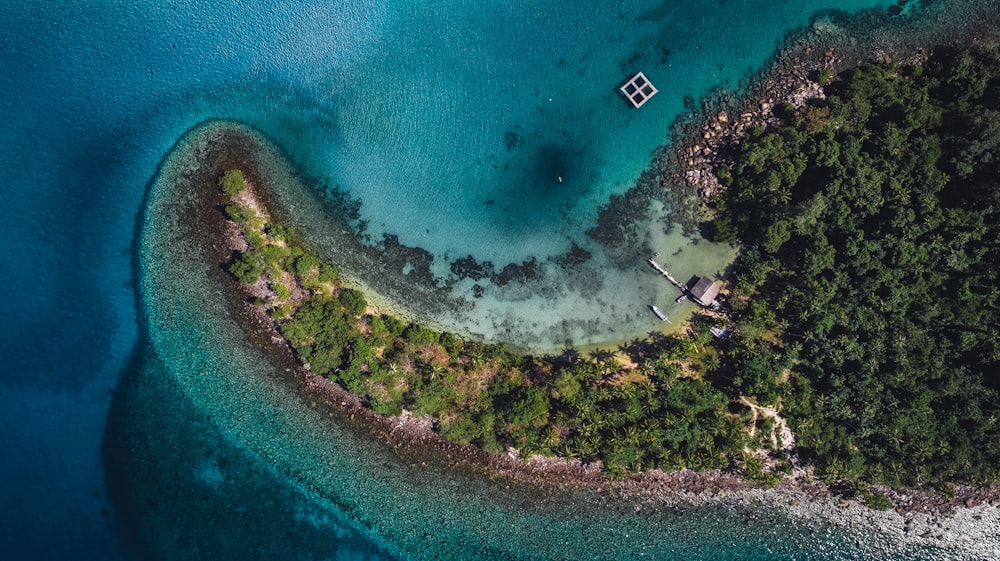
x=568, y=356
x=602, y=355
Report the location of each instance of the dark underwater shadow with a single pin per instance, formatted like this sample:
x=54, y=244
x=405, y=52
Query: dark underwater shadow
x=117, y=457
x=181, y=490
x=116, y=453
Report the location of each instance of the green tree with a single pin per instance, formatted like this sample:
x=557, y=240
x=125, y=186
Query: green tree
x=353, y=302
x=232, y=182
x=246, y=268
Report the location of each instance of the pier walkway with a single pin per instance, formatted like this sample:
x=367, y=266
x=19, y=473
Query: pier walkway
x=664, y=272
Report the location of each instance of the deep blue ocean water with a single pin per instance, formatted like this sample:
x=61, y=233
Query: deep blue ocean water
x=405, y=105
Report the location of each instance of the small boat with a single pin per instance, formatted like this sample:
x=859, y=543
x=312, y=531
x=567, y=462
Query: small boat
x=659, y=313
x=720, y=333
x=681, y=298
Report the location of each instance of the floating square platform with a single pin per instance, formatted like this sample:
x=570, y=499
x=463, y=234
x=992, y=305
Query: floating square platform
x=638, y=90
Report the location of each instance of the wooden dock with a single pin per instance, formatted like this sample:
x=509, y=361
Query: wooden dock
x=664, y=272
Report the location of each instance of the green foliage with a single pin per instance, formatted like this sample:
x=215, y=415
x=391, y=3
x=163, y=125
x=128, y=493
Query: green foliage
x=328, y=273
x=305, y=264
x=353, y=302
x=871, y=230
x=276, y=232
x=281, y=312
x=246, y=268
x=235, y=213
x=878, y=501
x=566, y=387
x=420, y=335
x=255, y=223
x=378, y=329
x=394, y=326
x=281, y=291
x=452, y=343
x=725, y=175
x=778, y=232
x=721, y=230
x=272, y=255
x=463, y=430
x=753, y=467
x=232, y=182
x=320, y=332
x=532, y=408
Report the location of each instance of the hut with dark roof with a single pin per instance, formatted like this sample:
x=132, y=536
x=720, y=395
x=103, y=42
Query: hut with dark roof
x=704, y=291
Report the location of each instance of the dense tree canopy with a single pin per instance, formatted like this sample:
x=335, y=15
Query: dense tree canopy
x=870, y=223
x=232, y=182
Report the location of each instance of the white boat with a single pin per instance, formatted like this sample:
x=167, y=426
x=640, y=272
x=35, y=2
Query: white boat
x=721, y=333
x=659, y=313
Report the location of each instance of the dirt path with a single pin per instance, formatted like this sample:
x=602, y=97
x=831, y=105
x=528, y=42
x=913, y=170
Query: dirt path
x=782, y=437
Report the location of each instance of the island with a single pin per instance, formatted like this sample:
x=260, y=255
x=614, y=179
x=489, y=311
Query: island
x=850, y=358
x=856, y=348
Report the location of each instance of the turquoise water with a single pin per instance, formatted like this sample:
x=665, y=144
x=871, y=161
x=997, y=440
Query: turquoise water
x=496, y=132
x=406, y=106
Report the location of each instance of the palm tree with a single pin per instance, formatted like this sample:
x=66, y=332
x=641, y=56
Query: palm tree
x=711, y=361
x=783, y=195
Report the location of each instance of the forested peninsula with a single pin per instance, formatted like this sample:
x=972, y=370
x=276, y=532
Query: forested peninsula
x=862, y=306
x=661, y=413
x=866, y=291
